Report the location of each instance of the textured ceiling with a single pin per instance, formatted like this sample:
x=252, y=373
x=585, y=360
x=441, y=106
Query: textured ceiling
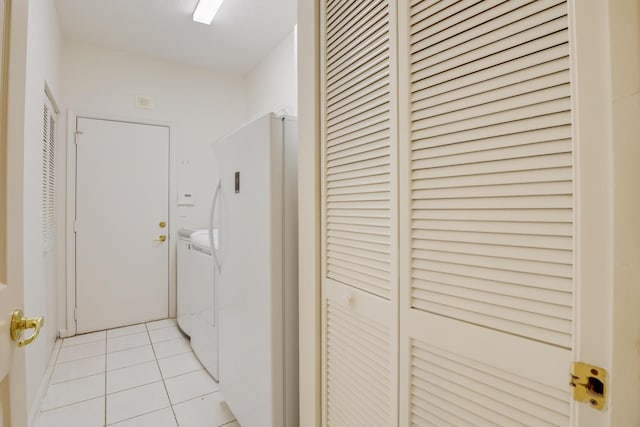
x=242, y=33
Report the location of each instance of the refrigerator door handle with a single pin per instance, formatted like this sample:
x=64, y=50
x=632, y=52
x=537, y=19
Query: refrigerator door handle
x=212, y=242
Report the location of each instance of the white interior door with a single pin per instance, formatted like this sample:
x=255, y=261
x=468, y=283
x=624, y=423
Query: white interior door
x=8, y=299
x=13, y=409
x=122, y=261
x=7, y=303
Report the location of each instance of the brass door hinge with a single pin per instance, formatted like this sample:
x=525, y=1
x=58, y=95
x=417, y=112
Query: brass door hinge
x=589, y=384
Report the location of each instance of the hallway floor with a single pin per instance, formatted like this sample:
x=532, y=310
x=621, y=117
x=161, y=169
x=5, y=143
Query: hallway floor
x=138, y=376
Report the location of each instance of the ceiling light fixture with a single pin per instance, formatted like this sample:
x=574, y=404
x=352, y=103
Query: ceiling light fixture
x=206, y=10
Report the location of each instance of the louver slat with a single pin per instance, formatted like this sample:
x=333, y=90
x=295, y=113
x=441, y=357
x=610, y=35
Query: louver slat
x=465, y=392
x=350, y=34
x=357, y=370
x=357, y=145
x=456, y=35
x=492, y=182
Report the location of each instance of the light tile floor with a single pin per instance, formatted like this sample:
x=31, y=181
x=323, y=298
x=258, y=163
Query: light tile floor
x=138, y=376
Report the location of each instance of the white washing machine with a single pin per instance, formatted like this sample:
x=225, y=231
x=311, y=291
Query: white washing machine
x=197, y=296
x=184, y=278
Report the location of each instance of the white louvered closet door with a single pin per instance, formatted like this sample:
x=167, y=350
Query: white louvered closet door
x=359, y=156
x=486, y=213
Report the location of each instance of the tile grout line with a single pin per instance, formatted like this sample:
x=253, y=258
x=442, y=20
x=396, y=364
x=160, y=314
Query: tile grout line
x=82, y=358
x=138, y=364
x=106, y=334
x=183, y=373
x=170, y=406
x=129, y=348
x=132, y=388
x=77, y=344
x=116, y=351
x=70, y=404
x=169, y=325
x=200, y=396
x=129, y=366
x=106, y=370
x=79, y=378
x=163, y=380
x=49, y=384
x=77, y=360
x=167, y=340
x=155, y=410
x=57, y=363
x=137, y=416
x=174, y=355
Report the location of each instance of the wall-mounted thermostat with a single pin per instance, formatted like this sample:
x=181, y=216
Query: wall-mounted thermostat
x=186, y=199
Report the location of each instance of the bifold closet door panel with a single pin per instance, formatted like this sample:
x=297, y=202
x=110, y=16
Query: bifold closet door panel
x=459, y=374
x=359, y=364
x=359, y=210
x=357, y=144
x=487, y=232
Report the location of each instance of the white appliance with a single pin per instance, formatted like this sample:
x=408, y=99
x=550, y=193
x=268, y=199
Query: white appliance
x=184, y=282
x=197, y=295
x=255, y=209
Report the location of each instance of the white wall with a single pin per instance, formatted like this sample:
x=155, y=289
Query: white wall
x=624, y=21
x=199, y=105
x=43, y=52
x=272, y=85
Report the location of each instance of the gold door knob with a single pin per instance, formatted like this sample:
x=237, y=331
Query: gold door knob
x=19, y=324
x=161, y=239
x=162, y=224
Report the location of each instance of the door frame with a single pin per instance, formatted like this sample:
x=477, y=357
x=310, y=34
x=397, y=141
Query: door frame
x=593, y=185
x=5, y=28
x=69, y=291
x=309, y=219
x=597, y=206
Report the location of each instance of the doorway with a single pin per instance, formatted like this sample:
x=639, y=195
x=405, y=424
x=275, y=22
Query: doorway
x=121, y=223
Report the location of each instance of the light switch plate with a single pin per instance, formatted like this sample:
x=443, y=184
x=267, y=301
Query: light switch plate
x=145, y=102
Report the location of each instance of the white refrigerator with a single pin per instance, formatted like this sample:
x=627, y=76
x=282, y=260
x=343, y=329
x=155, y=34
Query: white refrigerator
x=255, y=210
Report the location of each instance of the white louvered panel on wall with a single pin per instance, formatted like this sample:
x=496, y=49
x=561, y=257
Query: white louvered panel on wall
x=491, y=160
x=452, y=390
x=49, y=238
x=48, y=184
x=356, y=144
x=358, y=369
x=51, y=201
x=45, y=176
